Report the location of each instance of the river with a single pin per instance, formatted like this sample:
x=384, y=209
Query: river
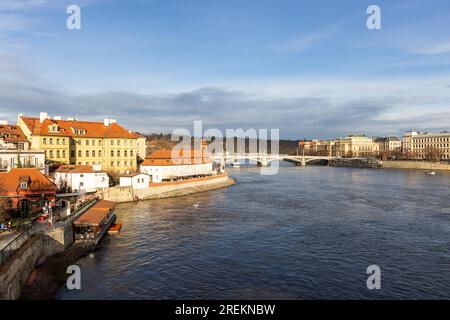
x=305, y=233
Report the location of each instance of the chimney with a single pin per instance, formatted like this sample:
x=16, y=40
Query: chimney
x=4, y=122
x=18, y=117
x=108, y=122
x=43, y=116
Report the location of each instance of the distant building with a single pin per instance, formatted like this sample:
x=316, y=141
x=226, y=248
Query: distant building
x=77, y=178
x=28, y=189
x=431, y=146
x=15, y=149
x=407, y=142
x=316, y=147
x=74, y=142
x=163, y=166
x=355, y=146
x=135, y=180
x=388, y=144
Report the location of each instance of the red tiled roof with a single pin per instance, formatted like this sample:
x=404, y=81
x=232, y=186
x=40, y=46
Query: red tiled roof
x=67, y=127
x=12, y=133
x=10, y=181
x=165, y=158
x=96, y=214
x=75, y=169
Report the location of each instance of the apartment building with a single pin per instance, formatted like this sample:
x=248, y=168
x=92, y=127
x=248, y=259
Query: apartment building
x=355, y=146
x=431, y=146
x=15, y=149
x=74, y=142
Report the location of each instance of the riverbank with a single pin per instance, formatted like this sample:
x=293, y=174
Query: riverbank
x=166, y=189
x=46, y=280
x=415, y=165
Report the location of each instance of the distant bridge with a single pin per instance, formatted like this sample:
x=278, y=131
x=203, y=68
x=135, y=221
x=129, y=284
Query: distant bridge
x=263, y=159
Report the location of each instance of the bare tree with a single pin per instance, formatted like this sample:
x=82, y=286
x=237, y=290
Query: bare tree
x=5, y=205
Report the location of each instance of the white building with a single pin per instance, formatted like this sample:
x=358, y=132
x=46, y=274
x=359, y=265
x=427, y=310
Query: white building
x=80, y=178
x=431, y=146
x=14, y=150
x=162, y=166
x=407, y=141
x=135, y=180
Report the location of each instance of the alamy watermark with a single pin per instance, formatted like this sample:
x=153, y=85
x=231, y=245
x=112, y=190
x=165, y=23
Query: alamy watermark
x=73, y=22
x=257, y=149
x=374, y=279
x=374, y=20
x=74, y=280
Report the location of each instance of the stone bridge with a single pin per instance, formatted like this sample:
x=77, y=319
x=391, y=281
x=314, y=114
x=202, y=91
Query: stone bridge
x=263, y=159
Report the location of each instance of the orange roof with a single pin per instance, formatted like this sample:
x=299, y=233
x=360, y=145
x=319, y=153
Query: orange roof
x=67, y=129
x=75, y=169
x=165, y=158
x=37, y=181
x=12, y=133
x=96, y=214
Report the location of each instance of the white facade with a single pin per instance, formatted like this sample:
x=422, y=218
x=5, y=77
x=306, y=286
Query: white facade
x=9, y=159
x=172, y=172
x=137, y=181
x=78, y=181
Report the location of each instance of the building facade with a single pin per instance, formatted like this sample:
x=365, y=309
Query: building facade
x=73, y=142
x=431, y=146
x=15, y=150
x=355, y=146
x=75, y=178
x=164, y=166
x=135, y=180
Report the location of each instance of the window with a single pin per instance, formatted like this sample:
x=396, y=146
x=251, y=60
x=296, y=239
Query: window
x=51, y=153
x=112, y=142
x=63, y=141
x=131, y=153
x=79, y=153
x=112, y=153
x=57, y=141
x=118, y=142
x=51, y=141
x=23, y=185
x=99, y=153
x=44, y=141
x=58, y=154
x=118, y=153
x=81, y=184
x=93, y=142
x=125, y=153
x=87, y=142
x=112, y=164
x=93, y=153
x=87, y=153
x=72, y=154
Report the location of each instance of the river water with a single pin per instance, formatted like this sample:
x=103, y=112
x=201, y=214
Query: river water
x=305, y=233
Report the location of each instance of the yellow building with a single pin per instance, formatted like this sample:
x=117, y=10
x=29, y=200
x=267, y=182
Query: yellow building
x=84, y=143
x=355, y=146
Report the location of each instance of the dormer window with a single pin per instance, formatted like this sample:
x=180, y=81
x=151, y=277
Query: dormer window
x=53, y=128
x=23, y=185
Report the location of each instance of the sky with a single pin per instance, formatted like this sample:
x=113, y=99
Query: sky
x=311, y=69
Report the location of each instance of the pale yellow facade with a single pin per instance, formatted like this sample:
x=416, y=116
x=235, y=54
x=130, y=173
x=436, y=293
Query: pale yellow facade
x=113, y=154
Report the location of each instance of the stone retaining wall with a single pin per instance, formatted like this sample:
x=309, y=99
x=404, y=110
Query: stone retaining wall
x=416, y=165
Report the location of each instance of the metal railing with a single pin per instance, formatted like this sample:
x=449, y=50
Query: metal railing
x=8, y=251
x=14, y=245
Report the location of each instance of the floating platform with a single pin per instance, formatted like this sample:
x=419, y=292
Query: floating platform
x=115, y=228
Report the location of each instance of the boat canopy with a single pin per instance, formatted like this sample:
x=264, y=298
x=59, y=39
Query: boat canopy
x=96, y=215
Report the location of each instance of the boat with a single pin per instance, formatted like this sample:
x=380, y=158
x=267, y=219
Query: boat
x=431, y=173
x=235, y=164
x=92, y=225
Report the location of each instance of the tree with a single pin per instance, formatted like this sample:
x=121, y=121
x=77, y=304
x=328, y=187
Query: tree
x=5, y=206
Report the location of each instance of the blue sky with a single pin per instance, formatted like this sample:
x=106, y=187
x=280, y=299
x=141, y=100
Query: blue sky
x=309, y=68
